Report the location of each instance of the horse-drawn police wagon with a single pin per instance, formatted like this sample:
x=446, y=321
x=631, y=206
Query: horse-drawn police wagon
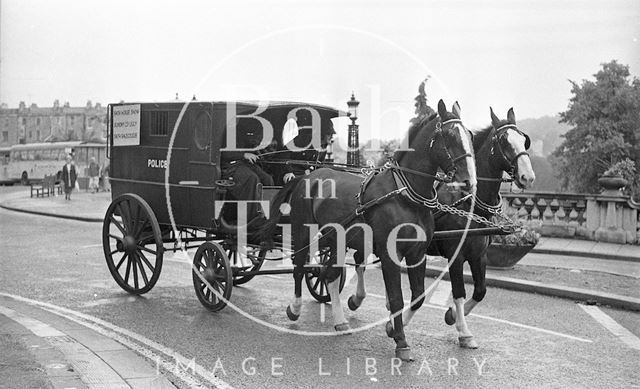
x=169, y=187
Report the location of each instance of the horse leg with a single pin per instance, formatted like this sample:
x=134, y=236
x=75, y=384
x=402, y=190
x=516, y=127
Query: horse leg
x=478, y=270
x=416, y=280
x=293, y=309
x=333, y=277
x=465, y=337
x=392, y=283
x=355, y=300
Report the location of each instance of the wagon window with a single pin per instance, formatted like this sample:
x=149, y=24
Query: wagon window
x=158, y=122
x=202, y=130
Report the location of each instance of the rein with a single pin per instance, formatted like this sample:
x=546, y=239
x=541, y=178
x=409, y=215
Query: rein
x=510, y=162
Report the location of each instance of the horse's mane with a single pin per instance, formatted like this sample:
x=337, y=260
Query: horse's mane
x=413, y=131
x=481, y=136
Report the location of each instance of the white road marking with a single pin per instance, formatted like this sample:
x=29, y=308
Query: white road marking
x=169, y=359
x=39, y=328
x=91, y=369
x=273, y=276
x=511, y=323
x=91, y=246
x=351, y=272
x=626, y=336
x=441, y=294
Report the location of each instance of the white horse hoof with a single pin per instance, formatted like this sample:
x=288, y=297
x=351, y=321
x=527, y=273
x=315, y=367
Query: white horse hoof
x=467, y=342
x=342, y=327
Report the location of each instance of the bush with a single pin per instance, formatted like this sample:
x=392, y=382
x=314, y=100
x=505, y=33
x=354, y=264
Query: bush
x=520, y=238
x=625, y=169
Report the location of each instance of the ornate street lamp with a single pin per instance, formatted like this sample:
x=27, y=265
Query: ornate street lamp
x=353, y=149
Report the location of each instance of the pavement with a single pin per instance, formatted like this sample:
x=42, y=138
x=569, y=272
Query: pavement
x=68, y=348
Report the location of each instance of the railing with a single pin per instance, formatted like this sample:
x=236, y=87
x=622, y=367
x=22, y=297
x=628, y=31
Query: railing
x=606, y=218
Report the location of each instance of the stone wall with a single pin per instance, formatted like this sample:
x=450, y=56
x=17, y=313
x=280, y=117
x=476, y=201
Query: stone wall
x=605, y=217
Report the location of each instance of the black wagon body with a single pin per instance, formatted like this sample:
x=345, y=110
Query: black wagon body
x=166, y=177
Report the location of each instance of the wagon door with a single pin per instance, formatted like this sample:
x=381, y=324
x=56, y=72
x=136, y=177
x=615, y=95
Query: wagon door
x=202, y=164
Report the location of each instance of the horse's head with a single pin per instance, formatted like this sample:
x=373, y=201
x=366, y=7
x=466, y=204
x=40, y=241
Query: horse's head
x=509, y=148
x=451, y=147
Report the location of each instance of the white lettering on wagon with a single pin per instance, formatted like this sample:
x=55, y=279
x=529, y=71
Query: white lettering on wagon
x=157, y=163
x=126, y=125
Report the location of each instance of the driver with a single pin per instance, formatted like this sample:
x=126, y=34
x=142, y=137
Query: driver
x=241, y=167
x=309, y=155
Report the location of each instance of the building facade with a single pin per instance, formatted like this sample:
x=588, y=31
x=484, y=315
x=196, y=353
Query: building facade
x=57, y=123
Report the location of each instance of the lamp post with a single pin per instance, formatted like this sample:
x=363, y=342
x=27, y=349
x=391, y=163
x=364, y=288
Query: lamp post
x=329, y=156
x=353, y=144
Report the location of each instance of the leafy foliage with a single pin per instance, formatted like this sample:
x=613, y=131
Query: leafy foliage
x=521, y=238
x=605, y=115
x=625, y=169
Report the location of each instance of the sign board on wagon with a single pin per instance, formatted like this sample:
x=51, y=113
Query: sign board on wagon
x=126, y=125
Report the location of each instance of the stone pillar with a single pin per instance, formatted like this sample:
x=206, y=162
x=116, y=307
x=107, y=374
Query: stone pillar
x=612, y=214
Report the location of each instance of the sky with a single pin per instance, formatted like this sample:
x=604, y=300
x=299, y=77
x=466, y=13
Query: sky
x=498, y=53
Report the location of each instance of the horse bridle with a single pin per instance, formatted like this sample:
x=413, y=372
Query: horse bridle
x=511, y=163
x=438, y=132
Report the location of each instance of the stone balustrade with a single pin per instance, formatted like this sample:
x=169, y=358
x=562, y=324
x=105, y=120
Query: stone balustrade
x=606, y=218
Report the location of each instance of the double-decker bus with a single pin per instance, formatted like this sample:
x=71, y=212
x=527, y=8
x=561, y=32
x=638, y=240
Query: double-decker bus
x=31, y=162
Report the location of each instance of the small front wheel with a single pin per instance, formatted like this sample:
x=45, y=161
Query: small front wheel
x=212, y=276
x=315, y=278
x=249, y=259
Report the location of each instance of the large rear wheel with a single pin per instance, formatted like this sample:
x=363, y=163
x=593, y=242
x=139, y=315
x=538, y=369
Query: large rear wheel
x=132, y=244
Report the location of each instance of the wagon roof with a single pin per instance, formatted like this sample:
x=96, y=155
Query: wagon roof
x=331, y=112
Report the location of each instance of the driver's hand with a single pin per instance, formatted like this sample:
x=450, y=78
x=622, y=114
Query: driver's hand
x=288, y=177
x=252, y=158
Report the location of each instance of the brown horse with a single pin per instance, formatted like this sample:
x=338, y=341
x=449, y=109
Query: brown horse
x=388, y=214
x=499, y=148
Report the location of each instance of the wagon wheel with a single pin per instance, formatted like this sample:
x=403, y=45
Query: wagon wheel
x=315, y=278
x=240, y=263
x=132, y=244
x=212, y=264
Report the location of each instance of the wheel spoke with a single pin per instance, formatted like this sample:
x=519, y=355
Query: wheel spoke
x=315, y=284
x=118, y=238
x=124, y=256
x=134, y=219
x=126, y=216
x=322, y=286
x=143, y=273
x=139, y=230
x=113, y=252
x=126, y=275
x=134, y=265
x=146, y=237
x=147, y=250
x=146, y=261
x=118, y=224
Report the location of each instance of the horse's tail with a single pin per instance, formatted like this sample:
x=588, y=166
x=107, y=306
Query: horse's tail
x=267, y=231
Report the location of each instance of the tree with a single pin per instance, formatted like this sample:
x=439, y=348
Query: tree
x=605, y=119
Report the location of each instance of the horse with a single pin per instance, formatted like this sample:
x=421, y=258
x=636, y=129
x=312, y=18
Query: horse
x=499, y=148
x=387, y=214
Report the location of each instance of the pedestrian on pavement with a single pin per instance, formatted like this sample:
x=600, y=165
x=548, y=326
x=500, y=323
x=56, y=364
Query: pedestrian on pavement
x=106, y=185
x=69, y=176
x=94, y=172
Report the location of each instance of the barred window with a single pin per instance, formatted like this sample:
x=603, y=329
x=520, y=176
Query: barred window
x=158, y=122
